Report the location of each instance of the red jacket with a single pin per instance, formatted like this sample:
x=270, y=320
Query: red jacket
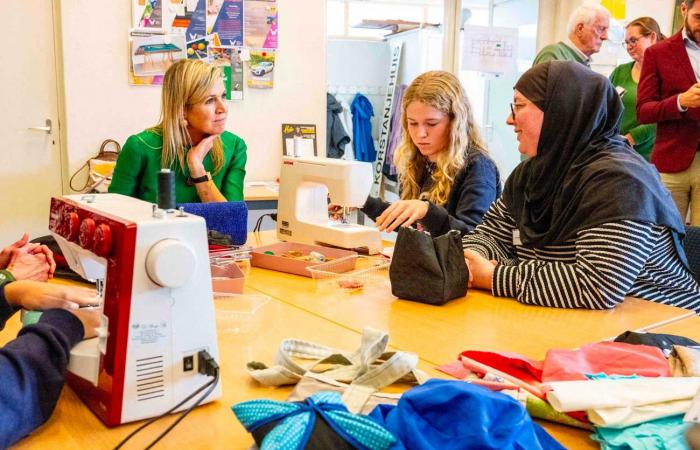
x=667, y=72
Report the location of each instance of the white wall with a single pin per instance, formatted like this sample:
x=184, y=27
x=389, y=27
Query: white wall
x=101, y=104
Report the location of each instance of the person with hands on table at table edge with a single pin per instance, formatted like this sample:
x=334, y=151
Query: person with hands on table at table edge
x=565, y=233
x=33, y=366
x=446, y=178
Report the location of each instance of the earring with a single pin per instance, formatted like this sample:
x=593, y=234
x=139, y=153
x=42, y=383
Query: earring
x=184, y=123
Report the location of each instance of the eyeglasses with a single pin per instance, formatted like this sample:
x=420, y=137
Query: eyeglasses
x=631, y=41
x=515, y=107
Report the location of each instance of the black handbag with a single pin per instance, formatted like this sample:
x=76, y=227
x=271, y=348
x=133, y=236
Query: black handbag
x=426, y=269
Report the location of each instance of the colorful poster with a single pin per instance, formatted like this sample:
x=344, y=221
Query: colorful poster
x=229, y=60
x=153, y=54
x=197, y=49
x=147, y=13
x=237, y=74
x=262, y=66
x=228, y=23
x=260, y=24
x=197, y=27
x=299, y=140
x=150, y=80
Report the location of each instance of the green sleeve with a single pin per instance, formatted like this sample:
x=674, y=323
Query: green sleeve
x=128, y=172
x=614, y=75
x=643, y=133
x=232, y=186
x=547, y=54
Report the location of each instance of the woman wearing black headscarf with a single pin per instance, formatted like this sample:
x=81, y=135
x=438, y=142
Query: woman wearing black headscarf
x=585, y=220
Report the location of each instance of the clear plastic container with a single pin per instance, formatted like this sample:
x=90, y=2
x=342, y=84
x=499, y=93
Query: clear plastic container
x=370, y=272
x=229, y=268
x=239, y=314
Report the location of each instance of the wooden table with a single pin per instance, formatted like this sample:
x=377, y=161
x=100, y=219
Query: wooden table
x=689, y=327
x=478, y=321
x=73, y=426
x=260, y=197
x=436, y=334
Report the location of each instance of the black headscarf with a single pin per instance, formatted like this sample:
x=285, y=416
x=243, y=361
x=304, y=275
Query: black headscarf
x=584, y=174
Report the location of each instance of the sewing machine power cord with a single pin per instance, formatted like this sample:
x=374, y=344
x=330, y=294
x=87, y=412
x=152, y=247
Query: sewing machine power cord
x=207, y=366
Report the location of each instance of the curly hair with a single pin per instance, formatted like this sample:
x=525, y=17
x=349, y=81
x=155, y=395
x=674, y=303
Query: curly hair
x=442, y=91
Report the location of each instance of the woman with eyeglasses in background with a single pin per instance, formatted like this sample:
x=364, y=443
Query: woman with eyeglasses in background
x=640, y=34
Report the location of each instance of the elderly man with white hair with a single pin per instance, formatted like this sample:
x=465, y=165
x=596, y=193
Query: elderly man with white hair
x=588, y=28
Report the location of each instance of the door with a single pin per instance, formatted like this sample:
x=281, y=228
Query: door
x=490, y=94
x=30, y=161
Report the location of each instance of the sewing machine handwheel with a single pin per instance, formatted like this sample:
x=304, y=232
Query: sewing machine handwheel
x=170, y=263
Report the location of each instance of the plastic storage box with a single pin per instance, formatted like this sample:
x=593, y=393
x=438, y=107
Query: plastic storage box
x=369, y=272
x=274, y=260
x=239, y=313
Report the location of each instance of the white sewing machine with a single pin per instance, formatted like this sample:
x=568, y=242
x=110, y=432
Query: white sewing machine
x=152, y=269
x=306, y=184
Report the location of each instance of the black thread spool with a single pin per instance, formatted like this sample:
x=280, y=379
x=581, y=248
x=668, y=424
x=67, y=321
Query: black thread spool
x=166, y=189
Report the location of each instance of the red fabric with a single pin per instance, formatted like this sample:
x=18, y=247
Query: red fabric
x=666, y=73
x=455, y=369
x=525, y=369
x=612, y=358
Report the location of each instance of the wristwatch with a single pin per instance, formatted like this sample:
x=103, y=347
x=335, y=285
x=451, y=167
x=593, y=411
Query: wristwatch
x=203, y=179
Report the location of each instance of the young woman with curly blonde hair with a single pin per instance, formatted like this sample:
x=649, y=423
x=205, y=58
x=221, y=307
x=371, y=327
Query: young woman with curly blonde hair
x=447, y=180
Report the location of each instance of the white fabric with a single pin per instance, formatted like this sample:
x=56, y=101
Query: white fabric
x=633, y=415
x=566, y=396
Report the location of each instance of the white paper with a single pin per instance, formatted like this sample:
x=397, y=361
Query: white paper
x=490, y=49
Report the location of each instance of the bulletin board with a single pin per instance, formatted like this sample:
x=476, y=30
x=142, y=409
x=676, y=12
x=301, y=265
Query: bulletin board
x=241, y=36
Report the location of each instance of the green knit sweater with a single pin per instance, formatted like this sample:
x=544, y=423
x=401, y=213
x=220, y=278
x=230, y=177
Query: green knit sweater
x=558, y=52
x=136, y=173
x=643, y=135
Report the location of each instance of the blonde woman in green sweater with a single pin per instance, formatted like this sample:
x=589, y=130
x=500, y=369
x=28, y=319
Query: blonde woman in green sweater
x=640, y=34
x=191, y=139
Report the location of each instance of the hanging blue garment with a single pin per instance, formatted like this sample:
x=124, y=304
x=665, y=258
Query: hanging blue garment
x=449, y=414
x=362, y=112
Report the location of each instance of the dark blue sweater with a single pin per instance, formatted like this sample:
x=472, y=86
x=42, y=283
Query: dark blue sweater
x=32, y=370
x=475, y=187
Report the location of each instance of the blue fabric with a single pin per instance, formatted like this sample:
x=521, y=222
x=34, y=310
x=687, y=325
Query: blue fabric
x=362, y=112
x=661, y=434
x=297, y=422
x=229, y=218
x=449, y=414
x=32, y=368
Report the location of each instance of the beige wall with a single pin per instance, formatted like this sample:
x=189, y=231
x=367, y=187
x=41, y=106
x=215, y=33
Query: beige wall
x=100, y=104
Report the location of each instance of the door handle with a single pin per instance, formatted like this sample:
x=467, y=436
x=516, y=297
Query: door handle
x=46, y=129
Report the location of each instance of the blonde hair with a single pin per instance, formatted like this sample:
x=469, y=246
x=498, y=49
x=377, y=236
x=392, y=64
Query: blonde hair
x=442, y=91
x=186, y=83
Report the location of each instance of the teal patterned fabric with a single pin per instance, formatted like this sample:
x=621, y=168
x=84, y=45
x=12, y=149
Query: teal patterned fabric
x=297, y=422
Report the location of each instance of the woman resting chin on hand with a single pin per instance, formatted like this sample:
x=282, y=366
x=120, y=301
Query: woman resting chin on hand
x=191, y=139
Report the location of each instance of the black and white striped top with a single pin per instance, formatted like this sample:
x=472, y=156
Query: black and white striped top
x=596, y=271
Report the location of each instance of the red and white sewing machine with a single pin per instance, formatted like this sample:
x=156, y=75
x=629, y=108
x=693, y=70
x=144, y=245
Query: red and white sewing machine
x=152, y=268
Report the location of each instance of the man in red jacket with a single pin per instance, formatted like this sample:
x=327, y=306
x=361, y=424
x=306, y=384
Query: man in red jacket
x=669, y=95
